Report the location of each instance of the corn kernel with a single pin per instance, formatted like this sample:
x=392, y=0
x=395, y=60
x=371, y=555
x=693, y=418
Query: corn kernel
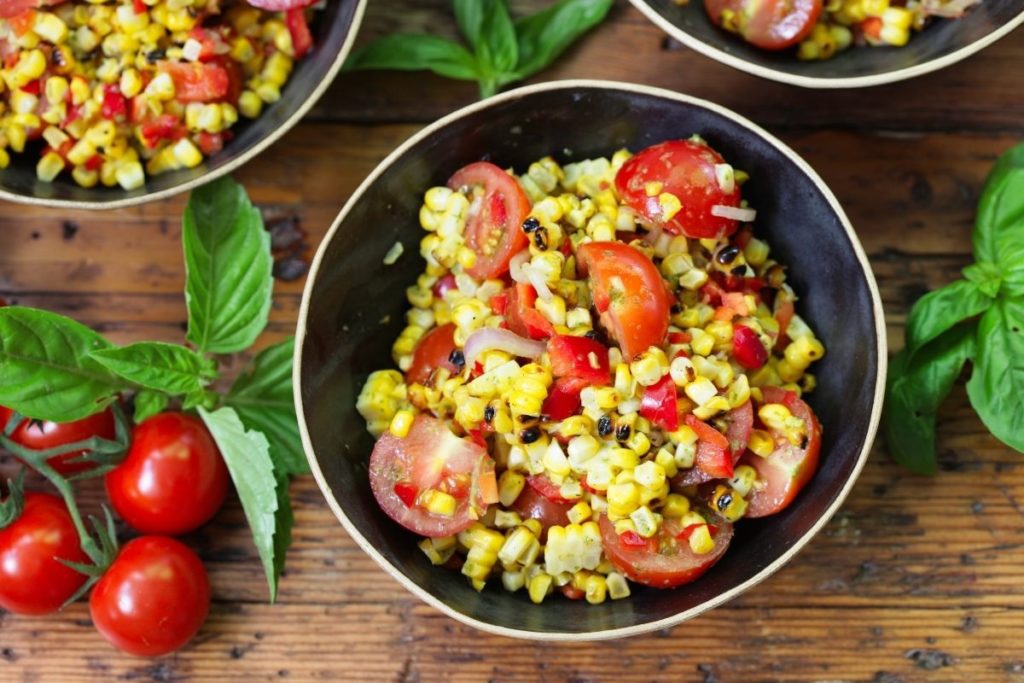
x=49, y=166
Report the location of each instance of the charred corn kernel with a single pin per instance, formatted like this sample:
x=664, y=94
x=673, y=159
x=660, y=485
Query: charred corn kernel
x=743, y=479
x=761, y=443
x=49, y=166
x=645, y=521
x=701, y=390
x=649, y=367
x=682, y=371
x=617, y=586
x=728, y=503
x=540, y=586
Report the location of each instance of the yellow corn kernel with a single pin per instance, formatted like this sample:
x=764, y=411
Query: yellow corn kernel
x=510, y=485
x=743, y=479
x=623, y=498
x=617, y=586
x=644, y=521
x=130, y=20
x=439, y=502
x=49, y=166
x=268, y=92
x=700, y=540
x=54, y=137
x=130, y=175
x=161, y=87
x=676, y=505
x=277, y=69
x=595, y=588
x=108, y=173
x=579, y=513
x=130, y=83
x=187, y=154
x=401, y=423
x=84, y=177
x=540, y=586
x=649, y=367
x=761, y=442
x=56, y=89
x=79, y=90
x=667, y=461
x=701, y=390
x=716, y=406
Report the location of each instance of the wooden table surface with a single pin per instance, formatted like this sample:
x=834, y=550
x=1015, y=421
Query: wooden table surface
x=915, y=579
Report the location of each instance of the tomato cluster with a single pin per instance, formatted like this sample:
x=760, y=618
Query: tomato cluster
x=153, y=595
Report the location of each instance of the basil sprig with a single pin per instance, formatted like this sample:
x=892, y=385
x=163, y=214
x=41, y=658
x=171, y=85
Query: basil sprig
x=979, y=319
x=56, y=369
x=500, y=50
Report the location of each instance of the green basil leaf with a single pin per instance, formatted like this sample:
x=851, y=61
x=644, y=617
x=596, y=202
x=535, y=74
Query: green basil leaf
x=543, y=36
x=227, y=267
x=408, y=52
x=148, y=403
x=169, y=368
x=999, y=227
x=937, y=311
x=46, y=366
x=284, y=520
x=915, y=390
x=247, y=456
x=497, y=51
x=986, y=276
x=997, y=383
x=469, y=15
x=262, y=397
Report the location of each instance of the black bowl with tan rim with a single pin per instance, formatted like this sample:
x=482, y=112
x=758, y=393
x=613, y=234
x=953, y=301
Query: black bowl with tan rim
x=334, y=29
x=353, y=308
x=944, y=42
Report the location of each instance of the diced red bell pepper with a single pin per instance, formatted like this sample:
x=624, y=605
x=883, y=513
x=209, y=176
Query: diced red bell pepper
x=631, y=540
x=679, y=337
x=163, y=127
x=139, y=6
x=747, y=348
x=713, y=451
x=523, y=318
x=115, y=105
x=478, y=437
x=93, y=163
x=660, y=404
x=579, y=357
x=407, y=492
x=33, y=87
x=564, y=398
x=302, y=39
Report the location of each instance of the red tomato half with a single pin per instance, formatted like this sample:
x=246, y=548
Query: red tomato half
x=498, y=207
x=666, y=561
x=40, y=435
x=581, y=358
x=628, y=293
x=685, y=169
x=173, y=479
x=431, y=457
x=788, y=469
x=769, y=24
x=153, y=599
x=32, y=580
x=432, y=352
x=522, y=317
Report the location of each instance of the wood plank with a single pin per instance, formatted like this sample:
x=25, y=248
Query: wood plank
x=979, y=94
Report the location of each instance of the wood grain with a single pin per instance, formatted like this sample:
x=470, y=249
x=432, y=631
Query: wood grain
x=916, y=579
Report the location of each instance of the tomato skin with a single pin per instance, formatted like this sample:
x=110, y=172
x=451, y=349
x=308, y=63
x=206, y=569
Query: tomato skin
x=667, y=561
x=32, y=581
x=197, y=81
x=173, y=479
x=522, y=317
x=660, y=404
x=153, y=599
x=431, y=457
x=41, y=435
x=685, y=169
x=769, y=24
x=788, y=468
x=494, y=228
x=716, y=458
x=637, y=316
x=302, y=39
x=532, y=504
x=432, y=352
x=747, y=348
x=571, y=357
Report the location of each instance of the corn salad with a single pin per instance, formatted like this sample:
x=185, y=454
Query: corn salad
x=117, y=90
x=601, y=458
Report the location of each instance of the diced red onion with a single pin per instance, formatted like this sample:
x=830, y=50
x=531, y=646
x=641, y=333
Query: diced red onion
x=497, y=339
x=538, y=282
x=735, y=213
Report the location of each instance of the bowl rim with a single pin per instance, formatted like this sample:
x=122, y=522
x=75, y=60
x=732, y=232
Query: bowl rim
x=818, y=82
x=210, y=176
x=519, y=93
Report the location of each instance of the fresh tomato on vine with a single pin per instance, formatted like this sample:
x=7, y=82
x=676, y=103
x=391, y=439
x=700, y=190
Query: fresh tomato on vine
x=173, y=479
x=153, y=599
x=32, y=579
x=41, y=435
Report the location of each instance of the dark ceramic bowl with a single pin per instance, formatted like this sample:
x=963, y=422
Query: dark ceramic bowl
x=943, y=43
x=334, y=29
x=353, y=309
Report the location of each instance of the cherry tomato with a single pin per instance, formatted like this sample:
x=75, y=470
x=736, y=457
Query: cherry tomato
x=629, y=294
x=716, y=458
x=787, y=470
x=522, y=317
x=532, y=504
x=768, y=24
x=153, y=599
x=41, y=435
x=579, y=357
x=660, y=404
x=498, y=207
x=747, y=348
x=431, y=458
x=173, y=479
x=32, y=581
x=685, y=169
x=665, y=561
x=197, y=81
x=433, y=351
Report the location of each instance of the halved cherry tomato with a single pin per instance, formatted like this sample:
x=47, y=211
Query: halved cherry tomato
x=716, y=458
x=668, y=561
x=579, y=357
x=747, y=348
x=532, y=504
x=433, y=351
x=430, y=457
x=660, y=404
x=522, y=317
x=563, y=398
x=498, y=207
x=628, y=293
x=789, y=467
x=685, y=169
x=197, y=81
x=40, y=435
x=545, y=487
x=768, y=24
